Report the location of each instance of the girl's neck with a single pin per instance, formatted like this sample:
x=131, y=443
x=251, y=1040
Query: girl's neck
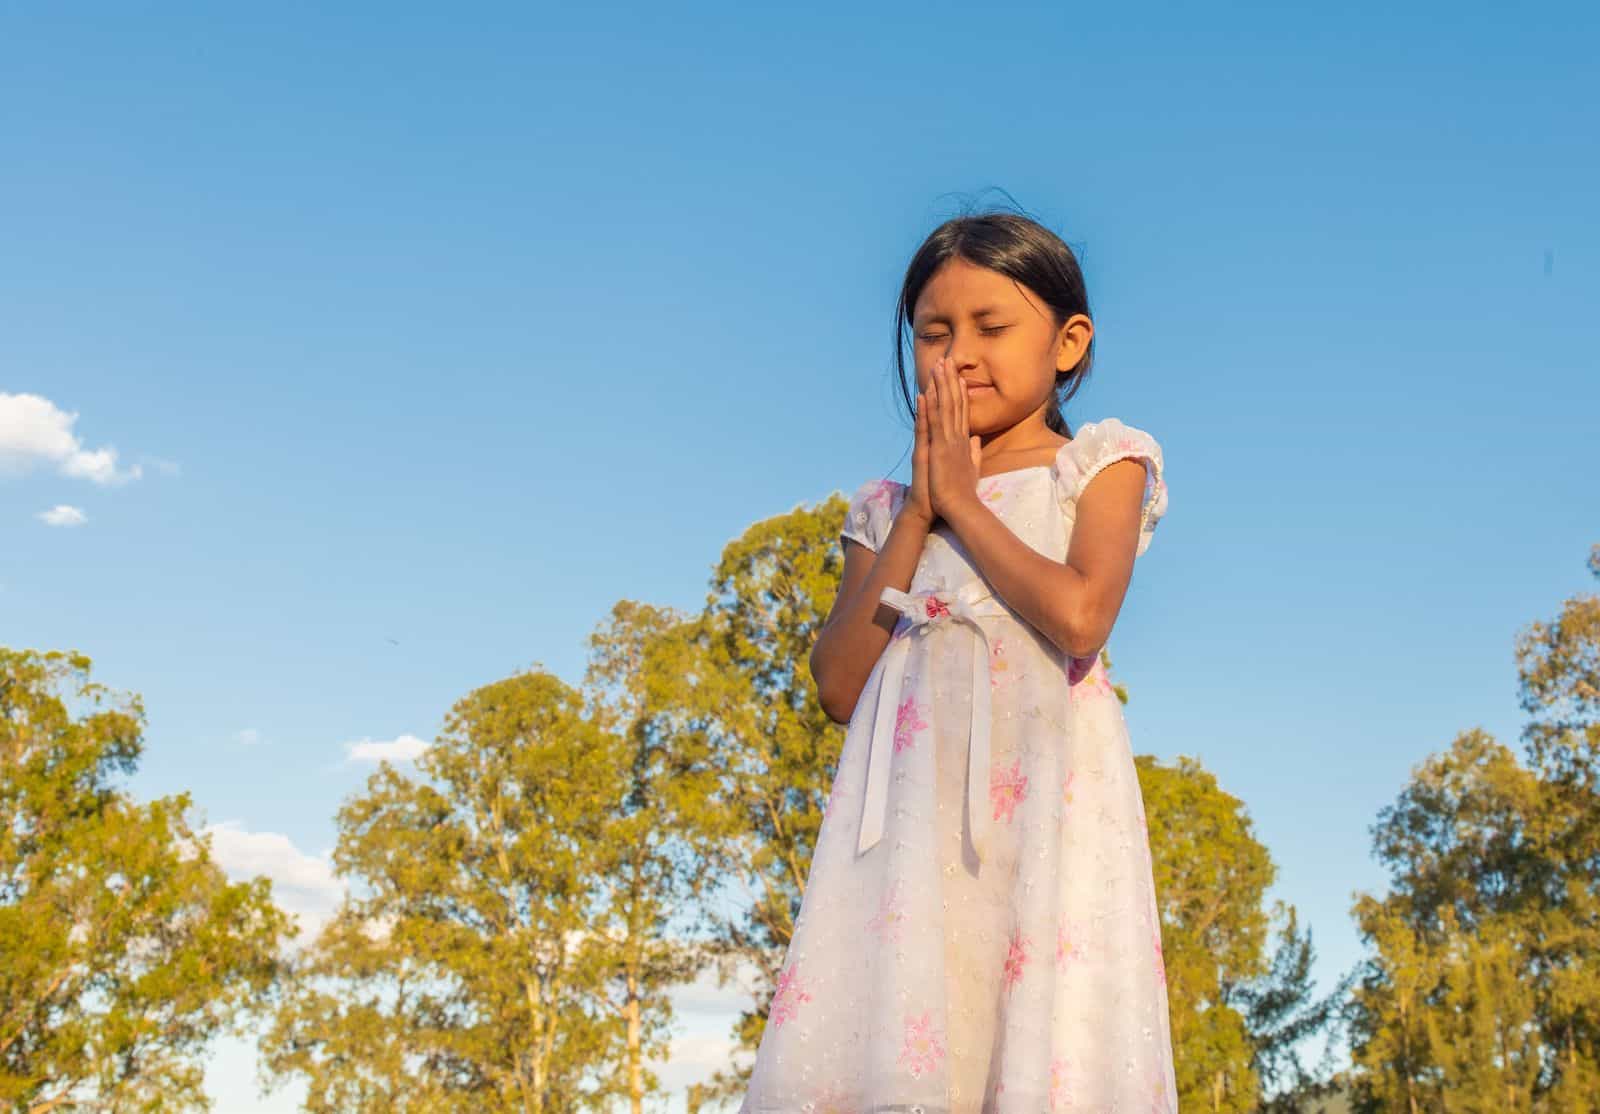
x=1028, y=438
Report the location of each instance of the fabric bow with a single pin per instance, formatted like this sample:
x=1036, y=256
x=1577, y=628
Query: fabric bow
x=927, y=611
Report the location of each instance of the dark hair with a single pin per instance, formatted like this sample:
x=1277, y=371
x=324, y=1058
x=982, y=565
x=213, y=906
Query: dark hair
x=1019, y=248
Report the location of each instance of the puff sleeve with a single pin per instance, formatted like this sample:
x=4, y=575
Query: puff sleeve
x=1102, y=443
x=872, y=510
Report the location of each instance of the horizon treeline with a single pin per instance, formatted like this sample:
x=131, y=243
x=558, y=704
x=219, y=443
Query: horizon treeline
x=522, y=904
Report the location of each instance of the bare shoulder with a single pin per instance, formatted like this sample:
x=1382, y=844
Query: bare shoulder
x=1106, y=526
x=1113, y=484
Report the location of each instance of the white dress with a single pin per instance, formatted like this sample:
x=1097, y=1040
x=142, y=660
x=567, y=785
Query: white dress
x=979, y=928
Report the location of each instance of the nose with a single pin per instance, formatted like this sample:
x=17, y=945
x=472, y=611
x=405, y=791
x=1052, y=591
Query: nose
x=961, y=352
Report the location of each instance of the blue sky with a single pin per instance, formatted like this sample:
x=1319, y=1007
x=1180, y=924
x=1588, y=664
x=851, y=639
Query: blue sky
x=377, y=351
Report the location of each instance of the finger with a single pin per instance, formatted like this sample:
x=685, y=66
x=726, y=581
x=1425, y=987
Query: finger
x=965, y=426
x=951, y=403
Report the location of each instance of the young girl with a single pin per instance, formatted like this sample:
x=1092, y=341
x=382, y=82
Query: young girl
x=979, y=930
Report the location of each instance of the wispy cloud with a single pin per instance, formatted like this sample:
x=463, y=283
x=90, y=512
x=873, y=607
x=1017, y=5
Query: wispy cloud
x=406, y=748
x=248, y=737
x=702, y=1042
x=63, y=515
x=35, y=431
x=302, y=884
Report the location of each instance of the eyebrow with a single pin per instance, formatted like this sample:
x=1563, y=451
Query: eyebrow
x=982, y=311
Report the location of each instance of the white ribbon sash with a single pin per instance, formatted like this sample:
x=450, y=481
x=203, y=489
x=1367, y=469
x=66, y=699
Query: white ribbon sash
x=927, y=610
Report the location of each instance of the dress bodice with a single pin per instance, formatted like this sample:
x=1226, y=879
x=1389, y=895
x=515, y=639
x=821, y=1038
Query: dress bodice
x=1038, y=503
x=1025, y=500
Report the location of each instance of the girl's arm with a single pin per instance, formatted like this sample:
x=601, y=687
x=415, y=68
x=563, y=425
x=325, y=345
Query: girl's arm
x=858, y=626
x=1073, y=604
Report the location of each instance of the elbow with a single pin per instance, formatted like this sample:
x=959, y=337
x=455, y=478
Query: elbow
x=835, y=708
x=1079, y=634
x=836, y=712
x=828, y=696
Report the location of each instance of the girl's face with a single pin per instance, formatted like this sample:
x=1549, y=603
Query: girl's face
x=1002, y=339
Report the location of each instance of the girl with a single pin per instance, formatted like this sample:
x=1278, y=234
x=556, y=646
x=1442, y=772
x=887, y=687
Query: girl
x=979, y=929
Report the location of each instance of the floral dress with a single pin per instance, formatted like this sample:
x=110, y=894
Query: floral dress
x=979, y=928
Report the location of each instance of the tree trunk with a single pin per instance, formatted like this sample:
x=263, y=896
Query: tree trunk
x=635, y=1068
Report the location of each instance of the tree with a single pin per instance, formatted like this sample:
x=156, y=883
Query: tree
x=1210, y=876
x=1479, y=996
x=468, y=974
x=727, y=696
x=1237, y=1014
x=1280, y=1011
x=655, y=872
x=124, y=949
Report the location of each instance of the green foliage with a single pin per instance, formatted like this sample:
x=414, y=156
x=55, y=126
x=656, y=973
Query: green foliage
x=655, y=872
x=1210, y=877
x=1238, y=1009
x=123, y=947
x=1281, y=1011
x=471, y=972
x=728, y=697
x=1478, y=996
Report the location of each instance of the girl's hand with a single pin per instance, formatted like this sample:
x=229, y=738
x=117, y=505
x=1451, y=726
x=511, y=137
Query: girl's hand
x=953, y=452
x=918, y=500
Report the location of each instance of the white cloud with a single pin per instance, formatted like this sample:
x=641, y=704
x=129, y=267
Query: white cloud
x=693, y=1057
x=34, y=430
x=63, y=515
x=406, y=748
x=248, y=737
x=302, y=884
x=703, y=1018
x=704, y=996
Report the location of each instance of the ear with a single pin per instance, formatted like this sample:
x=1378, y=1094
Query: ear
x=1072, y=341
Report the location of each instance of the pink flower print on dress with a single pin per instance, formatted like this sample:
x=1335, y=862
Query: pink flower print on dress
x=935, y=608
x=907, y=722
x=1060, y=1085
x=1155, y=943
x=923, y=1048
x=1001, y=675
x=891, y=916
x=1007, y=788
x=882, y=495
x=1066, y=787
x=1016, y=959
x=1069, y=942
x=990, y=493
x=790, y=993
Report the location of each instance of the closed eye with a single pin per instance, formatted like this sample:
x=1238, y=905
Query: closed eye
x=933, y=337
